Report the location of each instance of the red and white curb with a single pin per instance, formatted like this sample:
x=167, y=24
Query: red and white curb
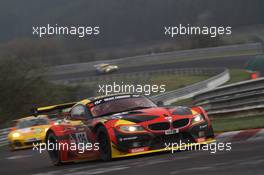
x=243, y=135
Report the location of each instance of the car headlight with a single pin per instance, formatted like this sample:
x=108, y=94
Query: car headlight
x=15, y=135
x=198, y=118
x=132, y=128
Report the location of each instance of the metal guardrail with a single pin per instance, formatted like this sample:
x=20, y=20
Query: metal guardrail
x=3, y=136
x=247, y=96
x=222, y=76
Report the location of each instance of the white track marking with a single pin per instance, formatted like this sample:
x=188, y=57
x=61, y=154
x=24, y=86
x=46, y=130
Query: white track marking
x=18, y=157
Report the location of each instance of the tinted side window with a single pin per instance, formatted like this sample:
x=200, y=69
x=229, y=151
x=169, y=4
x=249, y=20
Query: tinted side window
x=78, y=112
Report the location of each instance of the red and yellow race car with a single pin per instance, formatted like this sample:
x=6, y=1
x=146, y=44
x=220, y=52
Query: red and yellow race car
x=124, y=125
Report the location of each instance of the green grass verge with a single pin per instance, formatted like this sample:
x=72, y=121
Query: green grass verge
x=237, y=75
x=233, y=124
x=171, y=81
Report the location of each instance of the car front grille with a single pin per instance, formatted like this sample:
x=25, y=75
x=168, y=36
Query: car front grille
x=159, y=126
x=180, y=123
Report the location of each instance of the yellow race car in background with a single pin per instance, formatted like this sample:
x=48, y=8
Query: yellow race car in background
x=28, y=130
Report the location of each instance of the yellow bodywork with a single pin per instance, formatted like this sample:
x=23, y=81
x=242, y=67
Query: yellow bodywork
x=25, y=137
x=118, y=154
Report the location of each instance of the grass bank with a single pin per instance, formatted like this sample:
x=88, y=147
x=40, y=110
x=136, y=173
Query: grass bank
x=234, y=124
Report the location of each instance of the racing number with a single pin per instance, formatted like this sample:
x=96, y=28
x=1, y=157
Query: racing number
x=81, y=137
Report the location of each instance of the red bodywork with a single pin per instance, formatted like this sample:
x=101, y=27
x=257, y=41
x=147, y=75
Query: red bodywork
x=154, y=120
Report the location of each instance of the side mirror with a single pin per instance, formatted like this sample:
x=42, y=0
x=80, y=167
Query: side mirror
x=160, y=104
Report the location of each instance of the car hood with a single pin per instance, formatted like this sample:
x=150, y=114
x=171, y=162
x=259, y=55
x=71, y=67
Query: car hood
x=31, y=130
x=152, y=114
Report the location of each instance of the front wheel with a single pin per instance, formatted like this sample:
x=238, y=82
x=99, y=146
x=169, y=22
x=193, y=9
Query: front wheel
x=104, y=144
x=53, y=153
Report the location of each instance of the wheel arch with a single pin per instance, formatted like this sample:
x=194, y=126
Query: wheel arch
x=97, y=126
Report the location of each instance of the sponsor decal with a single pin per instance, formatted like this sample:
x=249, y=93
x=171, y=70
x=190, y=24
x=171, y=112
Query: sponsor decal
x=136, y=150
x=200, y=140
x=171, y=131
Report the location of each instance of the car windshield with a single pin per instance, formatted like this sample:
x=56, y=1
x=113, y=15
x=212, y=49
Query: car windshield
x=121, y=105
x=32, y=122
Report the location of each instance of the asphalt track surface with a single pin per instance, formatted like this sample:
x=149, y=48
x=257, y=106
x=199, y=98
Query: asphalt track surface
x=245, y=158
x=229, y=62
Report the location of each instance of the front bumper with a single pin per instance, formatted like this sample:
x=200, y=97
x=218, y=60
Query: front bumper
x=127, y=144
x=117, y=154
x=23, y=144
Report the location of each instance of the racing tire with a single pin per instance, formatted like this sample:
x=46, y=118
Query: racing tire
x=210, y=132
x=53, y=154
x=104, y=144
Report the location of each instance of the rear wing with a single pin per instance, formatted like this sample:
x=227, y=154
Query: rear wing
x=46, y=109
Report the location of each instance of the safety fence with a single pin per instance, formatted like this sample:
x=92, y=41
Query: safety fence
x=231, y=100
x=3, y=136
x=221, y=76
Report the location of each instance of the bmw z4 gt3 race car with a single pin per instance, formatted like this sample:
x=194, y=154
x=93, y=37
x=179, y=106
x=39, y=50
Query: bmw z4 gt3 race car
x=124, y=125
